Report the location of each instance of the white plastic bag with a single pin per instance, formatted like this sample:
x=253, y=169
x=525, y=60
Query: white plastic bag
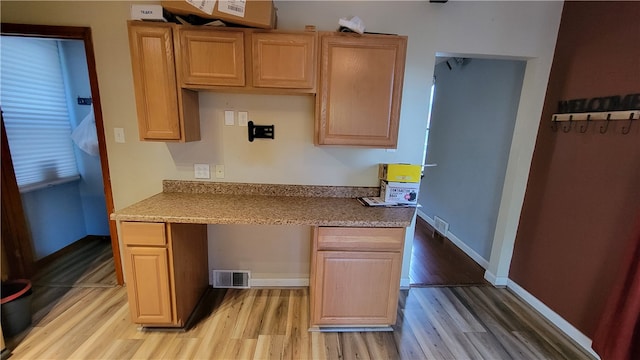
x=86, y=136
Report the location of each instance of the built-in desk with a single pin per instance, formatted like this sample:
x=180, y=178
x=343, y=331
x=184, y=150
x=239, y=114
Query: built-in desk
x=355, y=261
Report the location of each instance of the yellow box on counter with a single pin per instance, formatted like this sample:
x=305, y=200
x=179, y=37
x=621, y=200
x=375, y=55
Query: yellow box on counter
x=399, y=192
x=253, y=13
x=400, y=172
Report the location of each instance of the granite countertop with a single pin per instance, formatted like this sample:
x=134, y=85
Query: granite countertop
x=229, y=203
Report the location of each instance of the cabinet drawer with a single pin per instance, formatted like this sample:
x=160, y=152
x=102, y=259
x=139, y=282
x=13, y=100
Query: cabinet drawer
x=141, y=233
x=360, y=239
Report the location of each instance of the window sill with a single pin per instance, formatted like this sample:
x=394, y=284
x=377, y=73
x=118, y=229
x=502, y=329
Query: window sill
x=48, y=184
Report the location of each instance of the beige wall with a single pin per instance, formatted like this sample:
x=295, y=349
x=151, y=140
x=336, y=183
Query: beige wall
x=525, y=30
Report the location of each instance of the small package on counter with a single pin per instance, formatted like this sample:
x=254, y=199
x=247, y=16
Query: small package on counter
x=399, y=192
x=400, y=172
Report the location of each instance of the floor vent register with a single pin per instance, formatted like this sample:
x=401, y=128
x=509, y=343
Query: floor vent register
x=235, y=279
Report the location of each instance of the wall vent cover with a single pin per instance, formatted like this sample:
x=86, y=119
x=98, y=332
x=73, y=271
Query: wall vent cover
x=236, y=279
x=441, y=226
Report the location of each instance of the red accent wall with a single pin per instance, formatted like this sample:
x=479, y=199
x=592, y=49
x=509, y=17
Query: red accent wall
x=583, y=193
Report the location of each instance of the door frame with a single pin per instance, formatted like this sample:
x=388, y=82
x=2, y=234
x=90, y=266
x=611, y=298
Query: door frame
x=84, y=34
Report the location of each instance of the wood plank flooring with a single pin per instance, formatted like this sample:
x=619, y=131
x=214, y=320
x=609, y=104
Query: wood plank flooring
x=92, y=322
x=90, y=265
x=436, y=261
x=433, y=323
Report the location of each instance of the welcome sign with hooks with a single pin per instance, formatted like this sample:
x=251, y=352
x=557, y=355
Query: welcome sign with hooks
x=600, y=109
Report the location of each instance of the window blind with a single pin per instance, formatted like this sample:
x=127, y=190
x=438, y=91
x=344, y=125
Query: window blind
x=32, y=97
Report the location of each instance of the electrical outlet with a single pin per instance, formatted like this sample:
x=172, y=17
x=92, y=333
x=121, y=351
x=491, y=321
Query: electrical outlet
x=219, y=171
x=441, y=226
x=243, y=118
x=201, y=171
x=229, y=117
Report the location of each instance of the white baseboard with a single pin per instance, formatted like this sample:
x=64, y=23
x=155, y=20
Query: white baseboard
x=296, y=282
x=495, y=280
x=457, y=242
x=553, y=317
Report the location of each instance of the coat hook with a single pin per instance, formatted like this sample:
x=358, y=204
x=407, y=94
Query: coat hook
x=603, y=129
x=554, y=124
x=626, y=129
x=583, y=128
x=568, y=128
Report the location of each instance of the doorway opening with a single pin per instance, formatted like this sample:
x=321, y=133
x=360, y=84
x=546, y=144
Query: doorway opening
x=85, y=191
x=474, y=107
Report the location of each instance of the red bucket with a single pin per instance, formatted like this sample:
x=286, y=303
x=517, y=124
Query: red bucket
x=16, y=306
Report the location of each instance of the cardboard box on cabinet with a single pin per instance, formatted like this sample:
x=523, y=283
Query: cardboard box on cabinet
x=400, y=172
x=252, y=13
x=399, y=192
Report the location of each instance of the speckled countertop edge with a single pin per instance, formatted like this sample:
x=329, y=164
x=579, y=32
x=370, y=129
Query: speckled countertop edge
x=210, y=203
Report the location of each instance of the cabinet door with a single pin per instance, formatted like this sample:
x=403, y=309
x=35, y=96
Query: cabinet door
x=360, y=90
x=355, y=288
x=147, y=271
x=212, y=57
x=154, y=79
x=282, y=60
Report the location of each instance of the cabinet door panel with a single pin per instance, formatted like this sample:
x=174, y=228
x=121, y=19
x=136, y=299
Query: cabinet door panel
x=154, y=81
x=212, y=57
x=283, y=60
x=147, y=269
x=360, y=90
x=356, y=288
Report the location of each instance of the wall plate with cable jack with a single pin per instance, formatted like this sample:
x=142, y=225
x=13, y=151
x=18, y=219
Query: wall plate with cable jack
x=219, y=171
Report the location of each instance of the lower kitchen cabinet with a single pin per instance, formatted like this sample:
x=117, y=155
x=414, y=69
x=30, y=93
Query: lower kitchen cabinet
x=148, y=284
x=355, y=276
x=165, y=271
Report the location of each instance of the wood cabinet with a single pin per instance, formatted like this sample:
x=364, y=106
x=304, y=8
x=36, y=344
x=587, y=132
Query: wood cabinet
x=171, y=63
x=165, y=271
x=355, y=276
x=246, y=60
x=360, y=89
x=212, y=57
x=357, y=79
x=284, y=60
x=165, y=112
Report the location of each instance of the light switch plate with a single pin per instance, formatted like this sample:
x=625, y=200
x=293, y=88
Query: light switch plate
x=229, y=117
x=118, y=134
x=201, y=171
x=243, y=118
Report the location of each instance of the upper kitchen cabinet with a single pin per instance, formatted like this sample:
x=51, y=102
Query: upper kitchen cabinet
x=246, y=60
x=284, y=60
x=211, y=57
x=360, y=89
x=165, y=112
x=171, y=63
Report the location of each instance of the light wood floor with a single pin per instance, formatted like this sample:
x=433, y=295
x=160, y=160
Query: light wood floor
x=87, y=317
x=433, y=323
